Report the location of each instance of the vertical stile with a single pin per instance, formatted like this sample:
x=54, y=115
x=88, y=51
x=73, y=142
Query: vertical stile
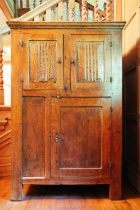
x=60, y=11
x=72, y=10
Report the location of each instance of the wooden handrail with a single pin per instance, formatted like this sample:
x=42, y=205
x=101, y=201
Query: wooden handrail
x=7, y=12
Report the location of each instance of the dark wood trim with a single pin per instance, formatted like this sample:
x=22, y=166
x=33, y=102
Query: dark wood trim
x=65, y=25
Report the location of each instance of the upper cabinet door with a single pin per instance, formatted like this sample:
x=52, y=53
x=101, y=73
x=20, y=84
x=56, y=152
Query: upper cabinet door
x=43, y=61
x=90, y=62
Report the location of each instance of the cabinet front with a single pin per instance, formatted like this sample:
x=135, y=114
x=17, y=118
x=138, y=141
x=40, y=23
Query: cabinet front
x=90, y=62
x=43, y=61
x=80, y=137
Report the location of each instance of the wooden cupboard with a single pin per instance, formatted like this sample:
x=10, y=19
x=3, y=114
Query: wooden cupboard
x=66, y=104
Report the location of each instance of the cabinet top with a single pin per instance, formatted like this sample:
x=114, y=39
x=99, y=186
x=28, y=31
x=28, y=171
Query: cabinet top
x=65, y=25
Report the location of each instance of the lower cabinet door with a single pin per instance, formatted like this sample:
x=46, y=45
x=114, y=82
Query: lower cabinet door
x=80, y=137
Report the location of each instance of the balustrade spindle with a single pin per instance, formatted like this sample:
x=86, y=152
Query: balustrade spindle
x=108, y=10
x=80, y=10
x=27, y=3
x=1, y=76
x=21, y=4
x=54, y=14
x=72, y=10
x=84, y=10
x=96, y=11
x=34, y=3
x=48, y=15
x=67, y=10
x=60, y=11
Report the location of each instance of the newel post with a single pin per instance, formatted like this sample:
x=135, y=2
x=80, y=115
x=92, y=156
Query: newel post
x=1, y=73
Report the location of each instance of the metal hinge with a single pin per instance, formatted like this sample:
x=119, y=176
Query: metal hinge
x=110, y=165
x=110, y=44
x=21, y=43
x=111, y=109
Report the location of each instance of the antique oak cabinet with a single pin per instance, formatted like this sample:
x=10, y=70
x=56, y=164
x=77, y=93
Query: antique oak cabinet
x=66, y=104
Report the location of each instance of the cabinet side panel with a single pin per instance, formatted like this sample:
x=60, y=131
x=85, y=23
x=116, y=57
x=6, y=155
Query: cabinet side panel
x=33, y=137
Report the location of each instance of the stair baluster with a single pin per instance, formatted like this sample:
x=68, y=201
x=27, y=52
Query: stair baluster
x=60, y=11
x=108, y=10
x=96, y=11
x=72, y=10
x=84, y=10
x=48, y=15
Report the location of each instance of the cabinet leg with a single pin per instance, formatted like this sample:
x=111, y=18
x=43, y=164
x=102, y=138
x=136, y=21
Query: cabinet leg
x=16, y=190
x=115, y=191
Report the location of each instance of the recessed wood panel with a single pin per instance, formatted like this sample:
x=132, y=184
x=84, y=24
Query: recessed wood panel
x=43, y=54
x=81, y=130
x=42, y=61
x=80, y=137
x=33, y=137
x=90, y=61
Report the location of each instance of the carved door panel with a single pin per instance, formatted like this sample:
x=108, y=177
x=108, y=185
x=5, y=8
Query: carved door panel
x=80, y=137
x=90, y=58
x=43, y=61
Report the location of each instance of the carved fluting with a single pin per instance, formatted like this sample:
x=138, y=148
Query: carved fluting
x=42, y=61
x=108, y=10
x=84, y=10
x=90, y=55
x=1, y=79
x=96, y=11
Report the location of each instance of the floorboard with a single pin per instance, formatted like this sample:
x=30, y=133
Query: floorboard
x=68, y=198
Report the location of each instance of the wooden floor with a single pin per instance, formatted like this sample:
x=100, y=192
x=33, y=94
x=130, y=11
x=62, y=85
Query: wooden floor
x=68, y=198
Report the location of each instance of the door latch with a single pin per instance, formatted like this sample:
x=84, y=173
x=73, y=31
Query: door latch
x=57, y=137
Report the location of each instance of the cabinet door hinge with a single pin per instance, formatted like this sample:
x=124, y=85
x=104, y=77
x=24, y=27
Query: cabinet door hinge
x=110, y=165
x=111, y=79
x=110, y=44
x=21, y=43
x=111, y=109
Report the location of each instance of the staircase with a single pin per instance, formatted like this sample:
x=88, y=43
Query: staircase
x=68, y=10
